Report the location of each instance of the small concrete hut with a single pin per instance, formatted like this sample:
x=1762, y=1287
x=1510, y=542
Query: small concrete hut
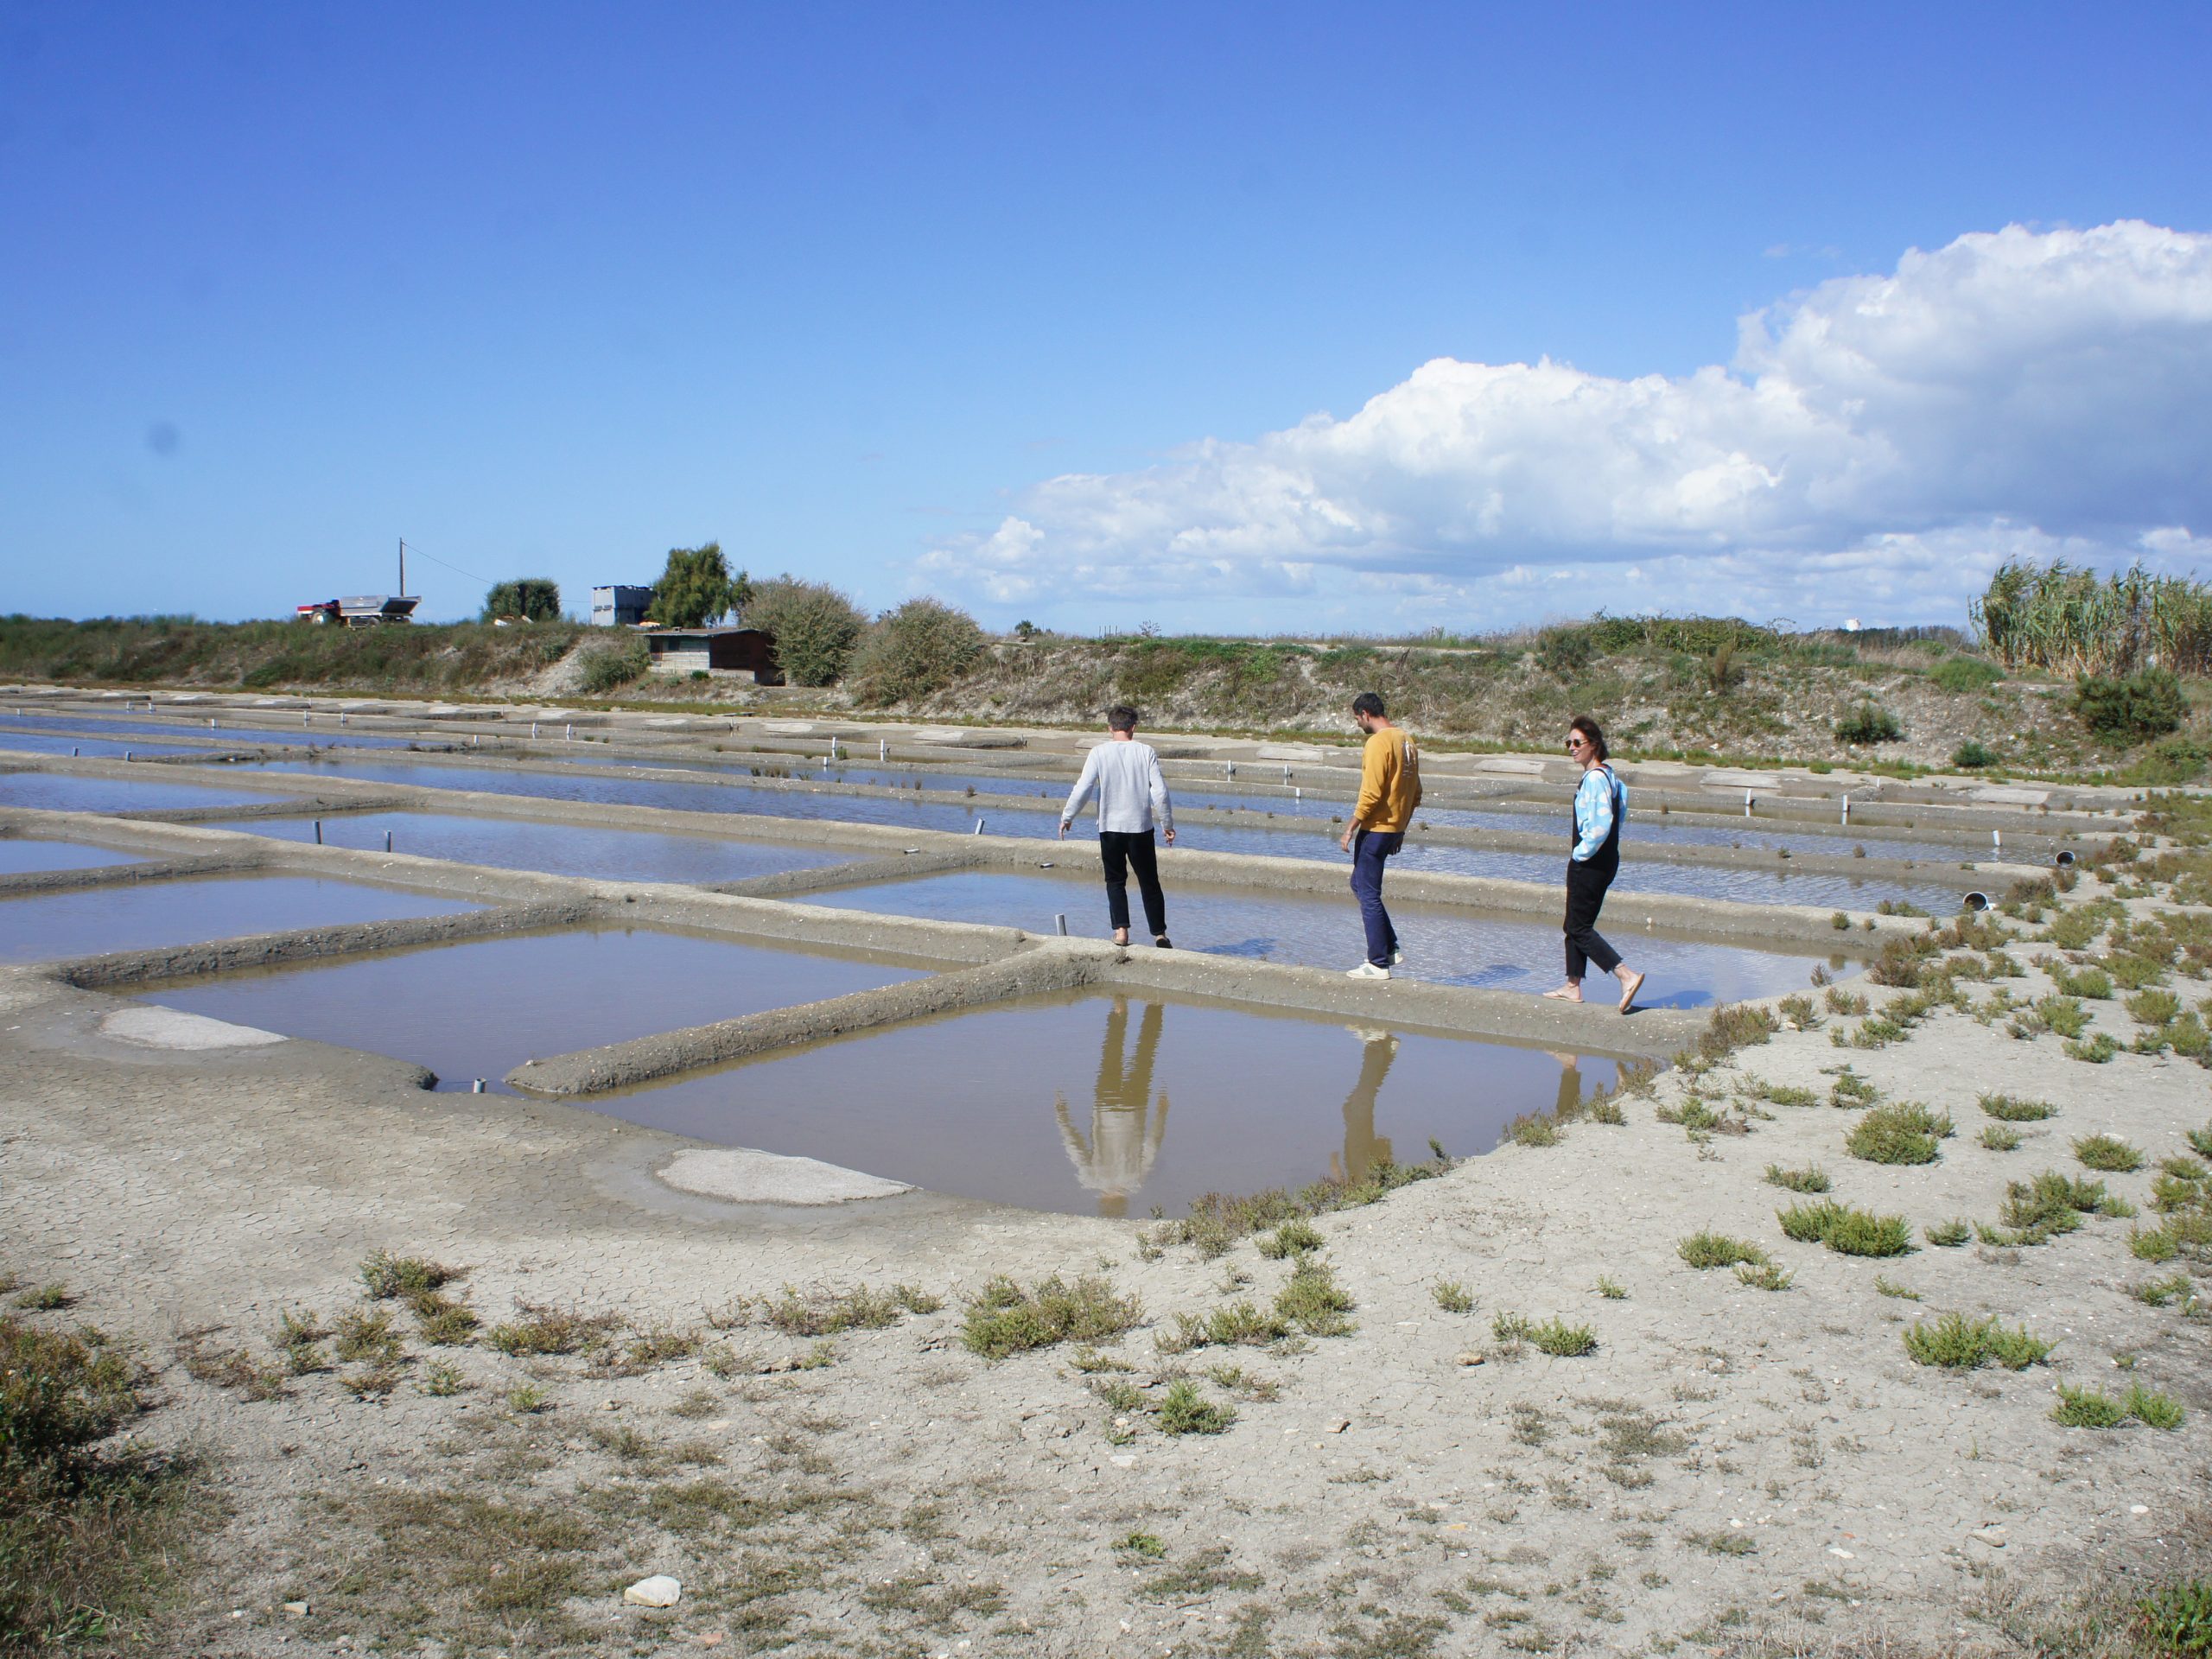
x=749, y=653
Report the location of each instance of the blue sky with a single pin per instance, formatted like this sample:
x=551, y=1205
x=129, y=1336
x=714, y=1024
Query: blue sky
x=1027, y=305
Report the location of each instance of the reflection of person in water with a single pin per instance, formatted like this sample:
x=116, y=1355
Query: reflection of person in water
x=1363, y=1148
x=1570, y=1084
x=1125, y=1126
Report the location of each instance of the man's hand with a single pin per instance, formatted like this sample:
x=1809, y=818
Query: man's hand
x=1063, y=828
x=1171, y=837
x=1349, y=834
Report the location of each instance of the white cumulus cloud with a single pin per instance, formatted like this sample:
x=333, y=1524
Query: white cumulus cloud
x=1877, y=446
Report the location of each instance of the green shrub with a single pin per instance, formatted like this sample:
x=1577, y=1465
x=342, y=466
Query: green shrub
x=695, y=586
x=1706, y=1250
x=1869, y=723
x=2145, y=705
x=1563, y=1341
x=1949, y=1235
x=2153, y=1410
x=1904, y=1132
x=2156, y=1245
x=815, y=628
x=915, y=650
x=1856, y=1233
x=535, y=599
x=1847, y=1229
x=1766, y=1275
x=602, y=669
x=1971, y=756
x=1963, y=675
x=1292, y=1238
x=2038, y=1211
x=1534, y=1130
x=385, y=1276
x=1182, y=1410
x=60, y=1392
x=2176, y=1618
x=1955, y=1343
x=1797, y=1181
x=1808, y=1223
x=1313, y=1301
x=2012, y=1109
x=2170, y=760
x=1004, y=1319
x=2086, y=1408
x=2109, y=1154
x=2154, y=1007
x=2091, y=983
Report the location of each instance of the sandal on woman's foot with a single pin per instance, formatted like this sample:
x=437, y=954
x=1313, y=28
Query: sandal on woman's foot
x=1627, y=992
x=1564, y=995
x=1161, y=940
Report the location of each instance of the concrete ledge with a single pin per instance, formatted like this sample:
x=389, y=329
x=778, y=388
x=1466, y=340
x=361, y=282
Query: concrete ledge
x=1399, y=1004
x=304, y=944
x=28, y=883
x=617, y=1065
x=829, y=878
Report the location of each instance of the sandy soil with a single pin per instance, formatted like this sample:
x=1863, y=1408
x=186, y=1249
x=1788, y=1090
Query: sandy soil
x=1730, y=1466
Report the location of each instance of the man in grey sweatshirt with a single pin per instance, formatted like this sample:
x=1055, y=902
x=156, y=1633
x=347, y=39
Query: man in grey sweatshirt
x=1132, y=793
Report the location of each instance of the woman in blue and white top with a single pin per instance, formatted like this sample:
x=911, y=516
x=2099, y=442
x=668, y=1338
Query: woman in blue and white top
x=1600, y=809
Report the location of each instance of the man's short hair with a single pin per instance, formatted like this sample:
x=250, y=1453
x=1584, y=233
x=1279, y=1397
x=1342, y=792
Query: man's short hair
x=1368, y=703
x=1121, y=718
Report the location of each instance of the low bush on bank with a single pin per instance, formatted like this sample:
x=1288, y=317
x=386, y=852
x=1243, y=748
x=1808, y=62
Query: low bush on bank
x=1869, y=723
x=181, y=650
x=1957, y=1343
x=86, y=1536
x=816, y=628
x=1006, y=1319
x=920, y=648
x=602, y=669
x=2145, y=705
x=1905, y=1132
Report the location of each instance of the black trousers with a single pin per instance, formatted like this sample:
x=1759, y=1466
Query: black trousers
x=1585, y=897
x=1121, y=851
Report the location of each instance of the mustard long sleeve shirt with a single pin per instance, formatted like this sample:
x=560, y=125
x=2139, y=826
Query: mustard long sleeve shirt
x=1389, y=783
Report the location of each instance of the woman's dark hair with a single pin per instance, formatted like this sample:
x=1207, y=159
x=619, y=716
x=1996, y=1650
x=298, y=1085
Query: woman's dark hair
x=1121, y=718
x=1588, y=727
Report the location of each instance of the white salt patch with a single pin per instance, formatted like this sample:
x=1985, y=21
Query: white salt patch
x=747, y=1177
x=168, y=1028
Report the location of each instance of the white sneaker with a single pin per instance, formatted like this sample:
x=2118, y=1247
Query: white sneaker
x=1397, y=958
x=1367, y=971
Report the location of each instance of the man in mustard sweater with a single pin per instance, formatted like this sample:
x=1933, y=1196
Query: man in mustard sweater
x=1389, y=789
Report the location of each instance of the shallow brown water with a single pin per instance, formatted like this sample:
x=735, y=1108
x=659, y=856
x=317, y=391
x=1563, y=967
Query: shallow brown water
x=1114, y=1105
x=20, y=853
x=481, y=1008
x=556, y=849
x=154, y=914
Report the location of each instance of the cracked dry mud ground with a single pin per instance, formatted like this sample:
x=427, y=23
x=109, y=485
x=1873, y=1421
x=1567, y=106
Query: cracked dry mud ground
x=1728, y=1466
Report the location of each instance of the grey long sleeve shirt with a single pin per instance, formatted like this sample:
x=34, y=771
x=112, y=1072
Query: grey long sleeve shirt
x=1132, y=792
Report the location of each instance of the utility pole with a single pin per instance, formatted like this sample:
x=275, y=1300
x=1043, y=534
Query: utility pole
x=402, y=568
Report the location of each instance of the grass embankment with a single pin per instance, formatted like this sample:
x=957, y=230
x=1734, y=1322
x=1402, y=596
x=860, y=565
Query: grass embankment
x=456, y=659
x=1710, y=689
